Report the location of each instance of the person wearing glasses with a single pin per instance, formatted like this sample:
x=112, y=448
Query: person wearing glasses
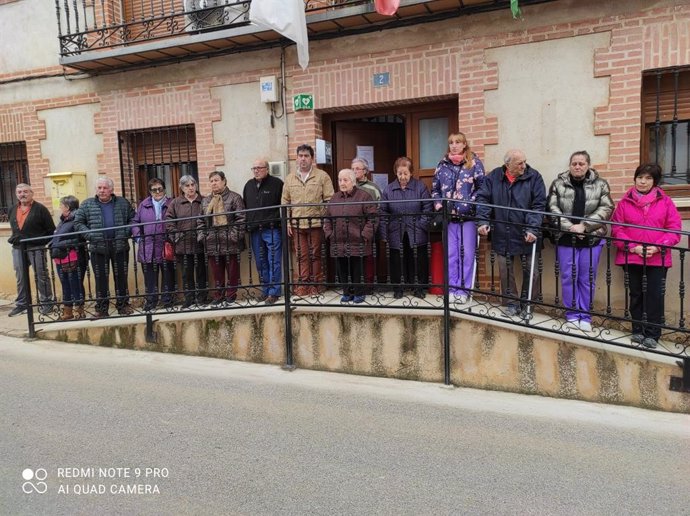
x=180, y=225
x=360, y=166
x=221, y=229
x=262, y=194
x=148, y=229
x=109, y=216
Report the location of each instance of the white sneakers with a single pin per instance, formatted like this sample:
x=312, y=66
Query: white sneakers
x=584, y=326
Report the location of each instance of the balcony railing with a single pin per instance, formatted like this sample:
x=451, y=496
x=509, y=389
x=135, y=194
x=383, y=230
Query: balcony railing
x=384, y=273
x=89, y=27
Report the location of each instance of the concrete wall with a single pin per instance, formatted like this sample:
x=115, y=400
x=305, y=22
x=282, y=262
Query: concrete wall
x=245, y=131
x=533, y=112
x=406, y=345
x=28, y=36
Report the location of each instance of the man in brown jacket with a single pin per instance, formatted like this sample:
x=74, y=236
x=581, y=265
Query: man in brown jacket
x=308, y=185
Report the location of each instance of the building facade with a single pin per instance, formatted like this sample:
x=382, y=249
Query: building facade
x=132, y=92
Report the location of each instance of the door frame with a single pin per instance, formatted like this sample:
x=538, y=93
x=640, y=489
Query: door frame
x=411, y=112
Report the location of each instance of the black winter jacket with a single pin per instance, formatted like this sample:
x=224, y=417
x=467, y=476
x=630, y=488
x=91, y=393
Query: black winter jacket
x=268, y=194
x=38, y=223
x=508, y=226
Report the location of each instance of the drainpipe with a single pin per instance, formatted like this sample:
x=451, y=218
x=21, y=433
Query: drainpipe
x=284, y=99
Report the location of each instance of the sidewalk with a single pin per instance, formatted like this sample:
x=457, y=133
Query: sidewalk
x=12, y=326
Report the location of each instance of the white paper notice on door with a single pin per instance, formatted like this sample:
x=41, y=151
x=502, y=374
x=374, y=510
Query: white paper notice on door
x=366, y=152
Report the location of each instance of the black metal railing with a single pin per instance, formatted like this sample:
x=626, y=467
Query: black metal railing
x=95, y=24
x=388, y=260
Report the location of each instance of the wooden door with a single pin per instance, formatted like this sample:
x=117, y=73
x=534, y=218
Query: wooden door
x=386, y=139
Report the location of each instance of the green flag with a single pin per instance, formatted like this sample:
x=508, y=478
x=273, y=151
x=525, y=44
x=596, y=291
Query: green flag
x=515, y=9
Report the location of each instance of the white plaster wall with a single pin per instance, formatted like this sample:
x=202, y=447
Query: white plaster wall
x=71, y=145
x=28, y=35
x=245, y=131
x=534, y=114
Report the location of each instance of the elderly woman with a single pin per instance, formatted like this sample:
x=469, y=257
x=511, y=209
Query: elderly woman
x=405, y=227
x=644, y=252
x=70, y=259
x=222, y=232
x=579, y=192
x=458, y=176
x=189, y=253
x=349, y=226
x=148, y=229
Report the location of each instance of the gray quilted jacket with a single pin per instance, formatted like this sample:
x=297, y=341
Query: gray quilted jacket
x=598, y=202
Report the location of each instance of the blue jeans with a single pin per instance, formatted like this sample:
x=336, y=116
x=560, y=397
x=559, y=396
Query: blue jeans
x=72, y=284
x=268, y=252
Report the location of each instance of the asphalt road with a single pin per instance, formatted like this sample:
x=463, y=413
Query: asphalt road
x=238, y=438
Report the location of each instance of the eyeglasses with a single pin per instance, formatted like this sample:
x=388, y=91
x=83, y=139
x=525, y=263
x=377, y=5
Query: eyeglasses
x=254, y=169
x=157, y=189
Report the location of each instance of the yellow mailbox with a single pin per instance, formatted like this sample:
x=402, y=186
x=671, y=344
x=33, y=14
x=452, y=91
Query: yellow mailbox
x=67, y=183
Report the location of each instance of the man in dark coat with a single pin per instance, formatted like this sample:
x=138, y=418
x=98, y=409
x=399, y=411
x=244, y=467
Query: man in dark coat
x=112, y=215
x=262, y=194
x=513, y=187
x=30, y=219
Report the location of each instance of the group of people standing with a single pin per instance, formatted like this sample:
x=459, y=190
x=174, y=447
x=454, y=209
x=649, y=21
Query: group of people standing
x=190, y=232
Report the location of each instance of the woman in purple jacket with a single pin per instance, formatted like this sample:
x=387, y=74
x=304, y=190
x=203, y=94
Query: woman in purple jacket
x=645, y=252
x=405, y=227
x=149, y=231
x=458, y=176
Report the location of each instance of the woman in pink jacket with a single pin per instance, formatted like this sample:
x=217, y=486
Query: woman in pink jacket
x=646, y=253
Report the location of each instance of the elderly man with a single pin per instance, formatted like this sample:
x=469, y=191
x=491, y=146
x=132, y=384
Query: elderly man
x=512, y=187
x=263, y=194
x=307, y=185
x=108, y=216
x=30, y=219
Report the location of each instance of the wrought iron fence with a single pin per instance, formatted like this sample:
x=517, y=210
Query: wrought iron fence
x=391, y=258
x=92, y=24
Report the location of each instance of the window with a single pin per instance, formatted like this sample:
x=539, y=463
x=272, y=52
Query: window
x=167, y=153
x=666, y=116
x=14, y=169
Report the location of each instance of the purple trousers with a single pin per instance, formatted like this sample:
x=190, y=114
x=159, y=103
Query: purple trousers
x=576, y=266
x=462, y=244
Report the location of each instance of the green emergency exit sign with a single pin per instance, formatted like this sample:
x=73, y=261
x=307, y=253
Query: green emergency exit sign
x=303, y=101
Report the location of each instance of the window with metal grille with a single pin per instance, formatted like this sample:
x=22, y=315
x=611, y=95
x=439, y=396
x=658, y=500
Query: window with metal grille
x=166, y=153
x=666, y=117
x=14, y=169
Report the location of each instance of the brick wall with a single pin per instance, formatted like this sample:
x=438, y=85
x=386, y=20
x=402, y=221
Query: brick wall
x=654, y=38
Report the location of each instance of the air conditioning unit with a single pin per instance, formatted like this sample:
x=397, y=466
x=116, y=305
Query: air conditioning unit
x=208, y=14
x=277, y=169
